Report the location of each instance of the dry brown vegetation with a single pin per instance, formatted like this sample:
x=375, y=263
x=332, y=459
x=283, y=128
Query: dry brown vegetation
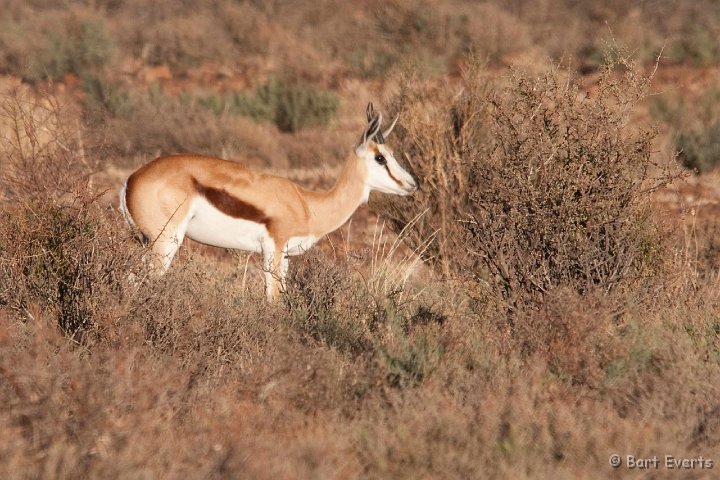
x=549, y=297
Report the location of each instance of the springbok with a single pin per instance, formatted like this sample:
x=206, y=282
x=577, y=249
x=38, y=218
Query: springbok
x=221, y=203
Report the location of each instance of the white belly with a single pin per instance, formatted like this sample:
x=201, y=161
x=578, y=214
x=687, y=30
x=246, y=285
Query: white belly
x=299, y=245
x=210, y=226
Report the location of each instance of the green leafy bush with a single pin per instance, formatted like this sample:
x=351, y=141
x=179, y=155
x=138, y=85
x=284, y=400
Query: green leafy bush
x=316, y=286
x=47, y=251
x=291, y=107
x=80, y=49
x=103, y=96
x=699, y=149
x=698, y=46
x=695, y=127
x=56, y=248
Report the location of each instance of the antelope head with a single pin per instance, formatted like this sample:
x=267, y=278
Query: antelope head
x=384, y=173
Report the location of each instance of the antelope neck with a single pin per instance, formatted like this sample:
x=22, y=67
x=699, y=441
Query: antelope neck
x=331, y=209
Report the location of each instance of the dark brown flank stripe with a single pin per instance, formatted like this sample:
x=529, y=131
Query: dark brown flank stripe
x=230, y=205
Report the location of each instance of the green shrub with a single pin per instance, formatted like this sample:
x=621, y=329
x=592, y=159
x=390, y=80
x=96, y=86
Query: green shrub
x=697, y=47
x=66, y=258
x=234, y=103
x=410, y=361
x=314, y=297
x=57, y=249
x=103, y=97
x=699, y=149
x=298, y=106
x=290, y=107
x=81, y=49
x=327, y=304
x=151, y=122
x=670, y=109
x=695, y=127
x=54, y=266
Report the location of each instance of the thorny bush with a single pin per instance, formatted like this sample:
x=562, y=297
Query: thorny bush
x=536, y=184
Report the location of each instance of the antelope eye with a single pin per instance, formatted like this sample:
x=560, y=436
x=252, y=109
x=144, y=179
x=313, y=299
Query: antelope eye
x=380, y=159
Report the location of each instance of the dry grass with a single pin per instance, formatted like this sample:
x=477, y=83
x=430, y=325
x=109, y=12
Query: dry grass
x=384, y=361
x=358, y=372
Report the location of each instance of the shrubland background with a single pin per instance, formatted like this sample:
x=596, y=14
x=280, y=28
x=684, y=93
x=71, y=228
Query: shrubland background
x=548, y=298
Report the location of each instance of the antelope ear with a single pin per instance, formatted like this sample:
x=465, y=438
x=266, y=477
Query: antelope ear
x=372, y=129
x=370, y=112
